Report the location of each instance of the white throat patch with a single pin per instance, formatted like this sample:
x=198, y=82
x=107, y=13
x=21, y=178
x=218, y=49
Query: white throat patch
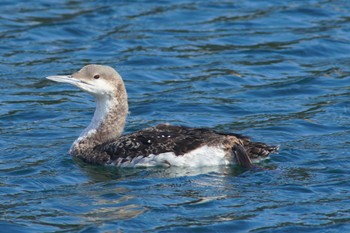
x=103, y=106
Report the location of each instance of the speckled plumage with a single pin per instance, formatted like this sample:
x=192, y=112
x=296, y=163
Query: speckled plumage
x=181, y=140
x=103, y=143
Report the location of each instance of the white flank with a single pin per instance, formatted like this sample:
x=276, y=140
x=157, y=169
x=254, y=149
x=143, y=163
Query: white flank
x=200, y=157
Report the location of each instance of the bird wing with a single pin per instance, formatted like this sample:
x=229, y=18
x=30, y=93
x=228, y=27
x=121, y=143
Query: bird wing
x=181, y=140
x=156, y=140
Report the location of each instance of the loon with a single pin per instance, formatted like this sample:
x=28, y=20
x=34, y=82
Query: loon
x=104, y=143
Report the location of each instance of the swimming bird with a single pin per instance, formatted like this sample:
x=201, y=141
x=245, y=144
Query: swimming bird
x=103, y=141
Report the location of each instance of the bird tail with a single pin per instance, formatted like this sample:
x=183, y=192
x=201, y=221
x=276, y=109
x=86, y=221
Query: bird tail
x=245, y=155
x=259, y=150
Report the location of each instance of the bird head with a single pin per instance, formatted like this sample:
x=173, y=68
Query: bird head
x=98, y=80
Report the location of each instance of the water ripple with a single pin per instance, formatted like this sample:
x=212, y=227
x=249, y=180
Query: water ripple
x=275, y=70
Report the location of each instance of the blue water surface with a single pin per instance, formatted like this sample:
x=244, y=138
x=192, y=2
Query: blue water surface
x=278, y=71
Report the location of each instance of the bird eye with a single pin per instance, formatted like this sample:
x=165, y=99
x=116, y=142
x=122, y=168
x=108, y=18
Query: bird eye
x=96, y=76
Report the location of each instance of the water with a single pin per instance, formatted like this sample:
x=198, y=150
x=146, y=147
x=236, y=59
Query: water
x=277, y=71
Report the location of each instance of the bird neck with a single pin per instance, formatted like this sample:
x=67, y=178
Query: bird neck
x=107, y=123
